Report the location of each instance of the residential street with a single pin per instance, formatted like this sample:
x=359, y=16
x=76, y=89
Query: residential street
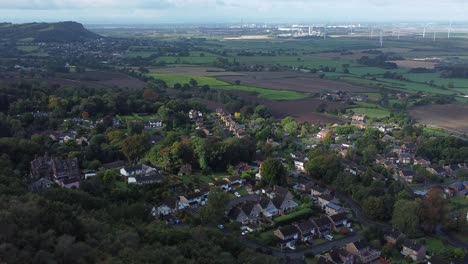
x=299, y=253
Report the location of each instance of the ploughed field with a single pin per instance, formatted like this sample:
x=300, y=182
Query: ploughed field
x=294, y=82
x=95, y=79
x=453, y=117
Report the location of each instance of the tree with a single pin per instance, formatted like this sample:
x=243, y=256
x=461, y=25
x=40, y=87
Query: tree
x=374, y=207
x=135, y=127
x=323, y=165
x=434, y=210
x=134, y=147
x=193, y=82
x=405, y=217
x=273, y=172
x=213, y=212
x=290, y=125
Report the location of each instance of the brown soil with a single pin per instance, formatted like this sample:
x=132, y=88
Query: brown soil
x=293, y=81
x=451, y=117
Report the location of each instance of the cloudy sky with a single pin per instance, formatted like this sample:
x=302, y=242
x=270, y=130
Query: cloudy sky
x=181, y=11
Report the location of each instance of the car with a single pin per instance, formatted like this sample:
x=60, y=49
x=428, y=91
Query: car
x=351, y=229
x=292, y=247
x=221, y=227
x=237, y=194
x=244, y=233
x=329, y=237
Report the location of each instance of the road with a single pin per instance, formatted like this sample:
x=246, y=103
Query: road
x=359, y=214
x=299, y=253
x=453, y=240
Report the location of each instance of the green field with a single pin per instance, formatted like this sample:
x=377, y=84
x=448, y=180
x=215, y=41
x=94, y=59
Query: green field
x=372, y=112
x=194, y=58
x=137, y=117
x=28, y=48
x=172, y=79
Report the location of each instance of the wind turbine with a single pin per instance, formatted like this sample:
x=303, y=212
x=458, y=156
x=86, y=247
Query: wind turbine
x=381, y=39
x=449, y=30
x=424, y=31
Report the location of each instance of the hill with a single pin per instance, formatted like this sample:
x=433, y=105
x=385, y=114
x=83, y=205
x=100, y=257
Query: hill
x=46, y=32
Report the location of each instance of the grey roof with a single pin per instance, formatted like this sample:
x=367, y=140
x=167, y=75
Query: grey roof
x=305, y=226
x=288, y=230
x=413, y=245
x=339, y=217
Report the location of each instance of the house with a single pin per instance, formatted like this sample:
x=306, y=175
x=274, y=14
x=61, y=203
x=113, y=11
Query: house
x=458, y=186
x=39, y=185
x=195, y=199
x=324, y=225
x=388, y=138
x=392, y=237
x=288, y=236
x=408, y=148
x=223, y=185
x=155, y=123
x=252, y=210
x=363, y=251
x=280, y=191
x=340, y=221
x=236, y=214
x=324, y=199
x=333, y=209
x=141, y=174
x=136, y=170
x=236, y=181
x=407, y=175
x=65, y=173
x=325, y=132
x=63, y=137
x=437, y=171
x=307, y=230
x=170, y=205
x=113, y=165
x=422, y=162
x=414, y=250
x=268, y=208
x=359, y=120
x=284, y=203
x=325, y=260
x=406, y=158
x=145, y=179
x=340, y=255
x=317, y=191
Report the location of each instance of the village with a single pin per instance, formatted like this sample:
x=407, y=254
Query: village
x=297, y=215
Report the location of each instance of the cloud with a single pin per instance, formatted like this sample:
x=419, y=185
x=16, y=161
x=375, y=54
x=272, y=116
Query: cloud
x=232, y=10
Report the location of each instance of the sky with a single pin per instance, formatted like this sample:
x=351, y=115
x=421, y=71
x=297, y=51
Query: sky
x=231, y=11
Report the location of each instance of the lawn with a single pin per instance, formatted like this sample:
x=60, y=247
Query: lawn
x=303, y=213
x=436, y=246
x=172, y=79
x=457, y=203
x=372, y=112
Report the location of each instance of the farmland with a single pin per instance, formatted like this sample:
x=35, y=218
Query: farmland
x=172, y=79
x=452, y=117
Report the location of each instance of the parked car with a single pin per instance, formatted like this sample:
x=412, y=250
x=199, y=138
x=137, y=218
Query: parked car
x=221, y=227
x=329, y=237
x=292, y=247
x=237, y=194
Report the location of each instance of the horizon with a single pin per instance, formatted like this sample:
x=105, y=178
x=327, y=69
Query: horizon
x=230, y=11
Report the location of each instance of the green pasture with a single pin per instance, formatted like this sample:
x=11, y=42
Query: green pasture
x=172, y=79
x=372, y=112
x=28, y=48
